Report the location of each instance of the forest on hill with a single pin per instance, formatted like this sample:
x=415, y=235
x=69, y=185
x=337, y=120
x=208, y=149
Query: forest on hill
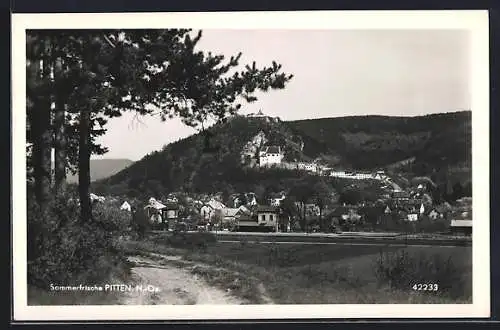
x=439, y=146
x=365, y=142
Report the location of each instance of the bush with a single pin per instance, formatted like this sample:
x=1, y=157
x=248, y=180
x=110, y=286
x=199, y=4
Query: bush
x=401, y=270
x=140, y=222
x=63, y=250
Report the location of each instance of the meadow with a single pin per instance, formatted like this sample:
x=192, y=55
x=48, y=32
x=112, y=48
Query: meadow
x=325, y=274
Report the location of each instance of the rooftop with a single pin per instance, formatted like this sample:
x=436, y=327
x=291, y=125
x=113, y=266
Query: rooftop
x=171, y=206
x=272, y=150
x=403, y=194
x=265, y=208
x=230, y=212
x=276, y=195
x=215, y=204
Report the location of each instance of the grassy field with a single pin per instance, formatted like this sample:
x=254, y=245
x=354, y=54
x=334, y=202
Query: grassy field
x=326, y=274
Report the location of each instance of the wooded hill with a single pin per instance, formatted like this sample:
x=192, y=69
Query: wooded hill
x=440, y=145
x=436, y=140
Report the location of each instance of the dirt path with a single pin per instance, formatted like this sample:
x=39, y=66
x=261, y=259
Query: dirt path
x=172, y=286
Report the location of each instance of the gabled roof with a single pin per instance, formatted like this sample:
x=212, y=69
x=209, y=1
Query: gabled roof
x=125, y=205
x=172, y=206
x=230, y=212
x=311, y=206
x=277, y=195
x=214, y=204
x=272, y=150
x=243, y=209
x=265, y=208
x=400, y=194
x=153, y=203
x=94, y=197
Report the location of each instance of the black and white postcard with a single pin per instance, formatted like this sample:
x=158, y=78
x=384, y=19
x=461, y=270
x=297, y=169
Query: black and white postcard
x=250, y=165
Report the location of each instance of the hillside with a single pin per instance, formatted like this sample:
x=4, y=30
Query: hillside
x=435, y=144
x=103, y=168
x=376, y=141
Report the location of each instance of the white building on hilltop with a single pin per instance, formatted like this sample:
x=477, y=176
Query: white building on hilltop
x=270, y=155
x=259, y=114
x=262, y=115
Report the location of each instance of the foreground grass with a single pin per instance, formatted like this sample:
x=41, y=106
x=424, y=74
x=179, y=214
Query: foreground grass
x=313, y=274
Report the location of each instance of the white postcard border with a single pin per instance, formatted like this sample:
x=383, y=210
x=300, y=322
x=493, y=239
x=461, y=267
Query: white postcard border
x=475, y=21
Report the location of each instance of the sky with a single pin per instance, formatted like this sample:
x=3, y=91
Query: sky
x=336, y=73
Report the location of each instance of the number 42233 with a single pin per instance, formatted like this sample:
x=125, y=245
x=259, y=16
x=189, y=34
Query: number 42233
x=426, y=287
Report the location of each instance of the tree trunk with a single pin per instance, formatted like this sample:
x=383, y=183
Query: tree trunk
x=304, y=220
x=60, y=143
x=41, y=131
x=321, y=225
x=34, y=116
x=84, y=166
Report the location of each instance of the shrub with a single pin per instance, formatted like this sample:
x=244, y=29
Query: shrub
x=401, y=270
x=63, y=250
x=140, y=223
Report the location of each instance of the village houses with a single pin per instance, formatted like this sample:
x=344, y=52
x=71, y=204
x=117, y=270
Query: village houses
x=96, y=198
x=126, y=207
x=276, y=199
x=171, y=214
x=267, y=215
x=271, y=155
x=230, y=215
x=400, y=196
x=250, y=199
x=207, y=211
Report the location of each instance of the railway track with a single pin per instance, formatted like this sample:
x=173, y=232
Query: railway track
x=346, y=239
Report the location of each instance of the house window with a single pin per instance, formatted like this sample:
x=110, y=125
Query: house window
x=271, y=218
x=263, y=217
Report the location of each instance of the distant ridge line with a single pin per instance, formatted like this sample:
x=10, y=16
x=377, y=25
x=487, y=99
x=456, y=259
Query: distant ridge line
x=382, y=116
